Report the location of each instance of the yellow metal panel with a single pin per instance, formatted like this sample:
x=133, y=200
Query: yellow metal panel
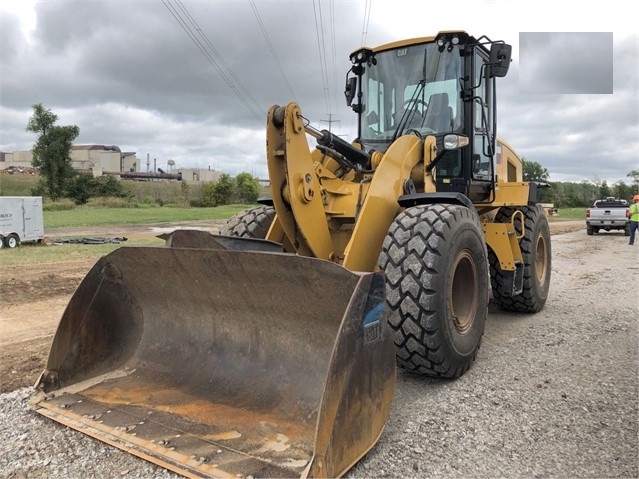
x=502, y=240
x=381, y=207
x=509, y=165
x=509, y=194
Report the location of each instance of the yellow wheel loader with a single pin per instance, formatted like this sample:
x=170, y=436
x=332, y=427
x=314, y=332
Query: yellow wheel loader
x=271, y=350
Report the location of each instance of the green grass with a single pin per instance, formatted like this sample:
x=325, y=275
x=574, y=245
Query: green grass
x=83, y=216
x=17, y=185
x=571, y=214
x=33, y=253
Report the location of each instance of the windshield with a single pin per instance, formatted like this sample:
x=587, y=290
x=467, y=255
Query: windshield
x=411, y=88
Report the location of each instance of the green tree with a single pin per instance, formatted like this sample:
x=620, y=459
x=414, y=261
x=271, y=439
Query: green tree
x=533, y=171
x=52, y=150
x=223, y=191
x=208, y=194
x=218, y=193
x=80, y=188
x=247, y=188
x=604, y=190
x=634, y=174
x=622, y=190
x=109, y=186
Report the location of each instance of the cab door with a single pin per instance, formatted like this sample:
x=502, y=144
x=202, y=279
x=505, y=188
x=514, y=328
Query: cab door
x=482, y=165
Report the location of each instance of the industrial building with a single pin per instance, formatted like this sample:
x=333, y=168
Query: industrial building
x=110, y=160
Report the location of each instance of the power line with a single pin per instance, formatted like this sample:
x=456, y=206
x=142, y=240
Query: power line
x=367, y=17
x=271, y=48
x=334, y=53
x=202, y=42
x=319, y=31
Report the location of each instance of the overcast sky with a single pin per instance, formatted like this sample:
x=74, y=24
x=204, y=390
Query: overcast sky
x=128, y=74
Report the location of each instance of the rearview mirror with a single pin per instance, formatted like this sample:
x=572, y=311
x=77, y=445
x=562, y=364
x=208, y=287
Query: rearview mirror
x=499, y=59
x=349, y=92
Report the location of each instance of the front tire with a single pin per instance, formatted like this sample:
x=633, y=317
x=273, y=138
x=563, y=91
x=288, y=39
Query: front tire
x=252, y=223
x=536, y=253
x=434, y=258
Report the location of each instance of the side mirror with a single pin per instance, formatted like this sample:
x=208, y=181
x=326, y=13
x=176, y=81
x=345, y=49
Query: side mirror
x=349, y=92
x=499, y=59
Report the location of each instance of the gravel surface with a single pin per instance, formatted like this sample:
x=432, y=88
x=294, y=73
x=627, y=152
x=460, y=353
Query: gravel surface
x=553, y=394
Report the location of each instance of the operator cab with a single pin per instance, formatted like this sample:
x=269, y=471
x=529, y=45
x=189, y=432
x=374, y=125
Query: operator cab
x=433, y=86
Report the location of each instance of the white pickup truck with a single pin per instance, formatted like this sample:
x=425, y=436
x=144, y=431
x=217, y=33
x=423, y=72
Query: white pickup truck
x=609, y=214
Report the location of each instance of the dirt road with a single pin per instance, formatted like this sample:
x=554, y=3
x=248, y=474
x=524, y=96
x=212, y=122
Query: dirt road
x=34, y=298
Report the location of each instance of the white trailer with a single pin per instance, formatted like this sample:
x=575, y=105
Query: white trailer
x=20, y=220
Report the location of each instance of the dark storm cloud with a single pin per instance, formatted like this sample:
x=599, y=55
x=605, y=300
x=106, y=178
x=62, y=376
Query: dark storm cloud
x=566, y=62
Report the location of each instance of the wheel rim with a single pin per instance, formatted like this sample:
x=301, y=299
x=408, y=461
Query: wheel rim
x=463, y=298
x=540, y=259
x=12, y=242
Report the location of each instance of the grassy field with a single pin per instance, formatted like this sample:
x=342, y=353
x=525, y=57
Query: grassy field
x=33, y=253
x=84, y=216
x=571, y=214
x=17, y=185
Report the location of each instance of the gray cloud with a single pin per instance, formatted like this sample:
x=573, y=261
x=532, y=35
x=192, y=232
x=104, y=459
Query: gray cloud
x=127, y=73
x=577, y=136
x=566, y=62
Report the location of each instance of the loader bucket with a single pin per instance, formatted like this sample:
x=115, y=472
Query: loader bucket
x=202, y=239
x=221, y=363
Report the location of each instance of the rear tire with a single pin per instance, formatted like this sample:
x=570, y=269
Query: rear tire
x=536, y=252
x=1, y=241
x=252, y=223
x=626, y=230
x=589, y=230
x=434, y=258
x=12, y=241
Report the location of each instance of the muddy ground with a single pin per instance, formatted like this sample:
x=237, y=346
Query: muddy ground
x=33, y=298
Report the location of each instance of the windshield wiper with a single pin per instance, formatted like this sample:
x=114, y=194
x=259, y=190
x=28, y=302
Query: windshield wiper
x=411, y=109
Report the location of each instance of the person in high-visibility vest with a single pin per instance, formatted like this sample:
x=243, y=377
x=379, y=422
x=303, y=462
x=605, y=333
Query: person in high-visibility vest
x=634, y=218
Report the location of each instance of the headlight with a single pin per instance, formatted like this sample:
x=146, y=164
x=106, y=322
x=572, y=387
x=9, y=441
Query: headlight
x=453, y=141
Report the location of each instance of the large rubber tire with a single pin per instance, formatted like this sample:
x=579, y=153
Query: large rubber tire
x=626, y=230
x=1, y=241
x=537, y=256
x=435, y=261
x=12, y=241
x=589, y=230
x=252, y=223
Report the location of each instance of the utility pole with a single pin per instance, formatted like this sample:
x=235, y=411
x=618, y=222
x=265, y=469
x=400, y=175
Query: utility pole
x=330, y=121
